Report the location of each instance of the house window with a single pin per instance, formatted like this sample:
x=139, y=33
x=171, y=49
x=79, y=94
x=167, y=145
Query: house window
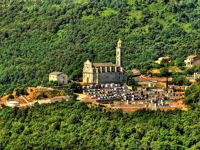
x=103, y=69
x=112, y=69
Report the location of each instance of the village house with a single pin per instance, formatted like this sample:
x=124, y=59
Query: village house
x=59, y=77
x=106, y=72
x=136, y=72
x=192, y=60
x=163, y=59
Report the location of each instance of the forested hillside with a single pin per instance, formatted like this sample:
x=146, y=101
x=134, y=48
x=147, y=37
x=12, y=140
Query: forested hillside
x=70, y=125
x=41, y=36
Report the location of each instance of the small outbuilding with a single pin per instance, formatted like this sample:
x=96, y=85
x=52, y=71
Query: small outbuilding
x=59, y=77
x=163, y=59
x=192, y=60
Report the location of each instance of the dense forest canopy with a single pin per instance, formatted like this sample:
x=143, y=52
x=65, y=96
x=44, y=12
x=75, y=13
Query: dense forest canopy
x=72, y=125
x=41, y=36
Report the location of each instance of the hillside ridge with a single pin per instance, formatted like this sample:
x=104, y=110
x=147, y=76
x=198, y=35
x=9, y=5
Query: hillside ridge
x=38, y=37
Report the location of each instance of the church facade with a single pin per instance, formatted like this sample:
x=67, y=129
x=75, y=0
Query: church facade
x=98, y=73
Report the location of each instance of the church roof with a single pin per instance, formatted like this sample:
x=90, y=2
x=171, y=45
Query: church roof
x=56, y=73
x=105, y=65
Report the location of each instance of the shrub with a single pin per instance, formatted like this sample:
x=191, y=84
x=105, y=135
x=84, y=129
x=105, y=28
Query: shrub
x=41, y=96
x=21, y=91
x=11, y=97
x=180, y=80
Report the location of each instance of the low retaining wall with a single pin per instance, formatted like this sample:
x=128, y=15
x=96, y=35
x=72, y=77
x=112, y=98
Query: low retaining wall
x=44, y=101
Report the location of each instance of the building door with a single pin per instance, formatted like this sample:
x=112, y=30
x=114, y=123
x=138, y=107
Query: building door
x=87, y=80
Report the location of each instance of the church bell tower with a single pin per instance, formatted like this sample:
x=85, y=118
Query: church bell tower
x=120, y=54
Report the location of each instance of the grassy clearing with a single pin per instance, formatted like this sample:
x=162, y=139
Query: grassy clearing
x=80, y=1
x=108, y=12
x=88, y=17
x=173, y=68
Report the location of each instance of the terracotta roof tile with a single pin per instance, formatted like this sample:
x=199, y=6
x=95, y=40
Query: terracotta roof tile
x=192, y=56
x=165, y=57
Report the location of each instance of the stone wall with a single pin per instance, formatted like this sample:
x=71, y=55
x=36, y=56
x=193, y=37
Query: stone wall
x=62, y=79
x=111, y=77
x=90, y=75
x=196, y=62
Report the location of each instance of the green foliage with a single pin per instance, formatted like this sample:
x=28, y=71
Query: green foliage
x=194, y=69
x=75, y=87
x=164, y=72
x=198, y=80
x=69, y=91
x=72, y=98
x=21, y=91
x=11, y=97
x=130, y=80
x=42, y=96
x=179, y=62
x=39, y=37
x=73, y=125
x=49, y=84
x=180, y=80
x=192, y=96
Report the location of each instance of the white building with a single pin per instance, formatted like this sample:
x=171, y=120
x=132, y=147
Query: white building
x=106, y=72
x=59, y=77
x=192, y=60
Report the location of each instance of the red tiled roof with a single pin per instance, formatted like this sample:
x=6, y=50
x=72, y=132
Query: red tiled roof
x=192, y=56
x=165, y=57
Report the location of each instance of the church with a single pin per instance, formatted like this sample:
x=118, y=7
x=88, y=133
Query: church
x=98, y=73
